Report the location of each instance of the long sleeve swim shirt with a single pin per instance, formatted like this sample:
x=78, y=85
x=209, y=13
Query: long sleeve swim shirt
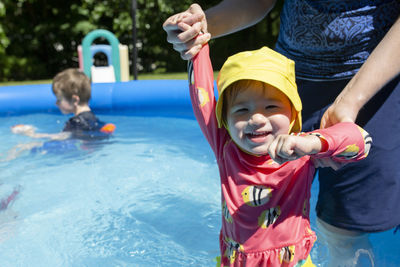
x=265, y=206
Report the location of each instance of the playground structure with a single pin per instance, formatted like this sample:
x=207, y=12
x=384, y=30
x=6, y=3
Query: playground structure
x=116, y=53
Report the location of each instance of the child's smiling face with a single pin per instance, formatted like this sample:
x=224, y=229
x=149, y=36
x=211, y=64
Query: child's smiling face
x=256, y=115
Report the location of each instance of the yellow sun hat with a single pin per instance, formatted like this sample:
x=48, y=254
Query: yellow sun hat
x=264, y=65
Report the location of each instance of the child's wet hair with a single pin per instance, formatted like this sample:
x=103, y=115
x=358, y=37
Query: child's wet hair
x=72, y=82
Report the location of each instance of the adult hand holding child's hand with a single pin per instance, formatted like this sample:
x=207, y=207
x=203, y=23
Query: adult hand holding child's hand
x=184, y=31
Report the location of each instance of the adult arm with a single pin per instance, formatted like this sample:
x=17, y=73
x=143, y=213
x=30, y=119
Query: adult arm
x=227, y=17
x=380, y=68
x=231, y=16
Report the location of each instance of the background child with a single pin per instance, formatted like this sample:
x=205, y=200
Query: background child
x=266, y=166
x=72, y=89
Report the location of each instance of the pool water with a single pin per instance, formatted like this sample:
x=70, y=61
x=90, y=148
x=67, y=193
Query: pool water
x=147, y=197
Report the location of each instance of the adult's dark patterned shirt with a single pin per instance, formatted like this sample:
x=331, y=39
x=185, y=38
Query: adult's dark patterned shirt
x=330, y=39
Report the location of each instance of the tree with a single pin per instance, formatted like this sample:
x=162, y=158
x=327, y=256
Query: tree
x=4, y=42
x=39, y=38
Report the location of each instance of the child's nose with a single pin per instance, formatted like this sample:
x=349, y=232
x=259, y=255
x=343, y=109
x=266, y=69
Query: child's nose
x=258, y=119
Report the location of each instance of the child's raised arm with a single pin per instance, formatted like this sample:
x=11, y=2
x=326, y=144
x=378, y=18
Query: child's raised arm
x=201, y=84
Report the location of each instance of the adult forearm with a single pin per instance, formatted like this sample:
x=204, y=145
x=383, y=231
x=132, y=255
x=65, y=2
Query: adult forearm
x=234, y=15
x=381, y=67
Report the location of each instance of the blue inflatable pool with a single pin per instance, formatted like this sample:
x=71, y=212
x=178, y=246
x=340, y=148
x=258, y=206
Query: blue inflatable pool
x=147, y=97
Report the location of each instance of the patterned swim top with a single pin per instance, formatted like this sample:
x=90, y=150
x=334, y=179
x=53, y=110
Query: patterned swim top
x=86, y=126
x=330, y=39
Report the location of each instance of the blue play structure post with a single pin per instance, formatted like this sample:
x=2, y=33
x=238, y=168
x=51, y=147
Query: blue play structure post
x=87, y=55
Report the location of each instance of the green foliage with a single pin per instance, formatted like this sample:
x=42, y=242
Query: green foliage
x=4, y=42
x=39, y=38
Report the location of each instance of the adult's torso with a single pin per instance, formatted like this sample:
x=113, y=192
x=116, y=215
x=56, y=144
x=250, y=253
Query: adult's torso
x=330, y=39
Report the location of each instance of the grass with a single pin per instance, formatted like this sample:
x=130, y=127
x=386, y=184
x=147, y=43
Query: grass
x=145, y=76
x=164, y=76
x=24, y=82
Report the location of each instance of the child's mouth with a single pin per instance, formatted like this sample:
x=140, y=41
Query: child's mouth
x=257, y=137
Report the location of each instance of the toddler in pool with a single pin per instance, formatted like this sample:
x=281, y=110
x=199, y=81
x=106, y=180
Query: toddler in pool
x=265, y=161
x=72, y=89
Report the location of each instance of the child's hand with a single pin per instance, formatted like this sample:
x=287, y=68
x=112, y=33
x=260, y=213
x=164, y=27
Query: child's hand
x=289, y=147
x=23, y=129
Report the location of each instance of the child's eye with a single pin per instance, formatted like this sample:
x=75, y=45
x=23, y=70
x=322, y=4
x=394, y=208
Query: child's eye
x=271, y=106
x=240, y=110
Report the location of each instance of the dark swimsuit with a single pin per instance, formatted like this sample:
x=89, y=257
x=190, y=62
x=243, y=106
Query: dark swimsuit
x=329, y=40
x=84, y=127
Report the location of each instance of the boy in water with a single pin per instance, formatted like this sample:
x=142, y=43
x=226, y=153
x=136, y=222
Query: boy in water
x=266, y=164
x=72, y=89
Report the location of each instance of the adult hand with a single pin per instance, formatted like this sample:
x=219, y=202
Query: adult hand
x=338, y=112
x=183, y=31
